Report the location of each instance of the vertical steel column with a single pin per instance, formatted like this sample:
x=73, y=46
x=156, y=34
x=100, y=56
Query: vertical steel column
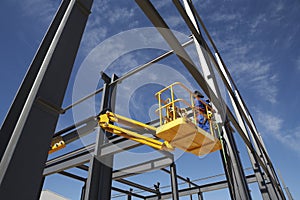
x=274, y=188
x=157, y=189
x=16, y=107
x=287, y=191
x=240, y=190
x=200, y=196
x=27, y=150
x=271, y=182
x=100, y=171
x=189, y=184
x=83, y=191
x=267, y=193
x=247, y=117
x=174, y=182
x=129, y=196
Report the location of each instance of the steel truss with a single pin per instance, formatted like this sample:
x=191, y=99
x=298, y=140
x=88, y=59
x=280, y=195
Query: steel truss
x=37, y=105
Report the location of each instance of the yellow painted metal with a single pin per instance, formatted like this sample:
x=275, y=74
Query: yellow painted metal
x=175, y=129
x=172, y=102
x=184, y=134
x=138, y=137
x=105, y=123
x=160, y=112
x=57, y=144
x=112, y=117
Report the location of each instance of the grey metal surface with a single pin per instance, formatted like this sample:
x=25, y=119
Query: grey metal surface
x=73, y=176
x=128, y=192
x=81, y=156
x=187, y=180
x=158, y=22
x=260, y=150
x=202, y=188
x=227, y=79
x=266, y=191
x=100, y=187
x=238, y=186
x=174, y=183
x=260, y=154
x=142, y=167
x=16, y=107
x=128, y=74
x=29, y=144
x=67, y=161
x=98, y=184
x=132, y=184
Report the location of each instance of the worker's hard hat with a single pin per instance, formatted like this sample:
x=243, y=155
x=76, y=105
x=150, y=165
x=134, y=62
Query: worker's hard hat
x=198, y=94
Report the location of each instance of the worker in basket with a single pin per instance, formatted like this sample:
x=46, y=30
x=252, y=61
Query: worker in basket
x=206, y=122
x=201, y=111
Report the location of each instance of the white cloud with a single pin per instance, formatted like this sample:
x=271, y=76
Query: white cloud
x=273, y=126
x=105, y=16
x=120, y=14
x=174, y=21
x=224, y=17
x=160, y=4
x=93, y=36
x=259, y=19
x=271, y=123
x=40, y=9
x=250, y=69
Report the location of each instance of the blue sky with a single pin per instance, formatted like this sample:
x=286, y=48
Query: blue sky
x=257, y=40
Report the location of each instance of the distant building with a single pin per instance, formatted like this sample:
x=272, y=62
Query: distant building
x=49, y=195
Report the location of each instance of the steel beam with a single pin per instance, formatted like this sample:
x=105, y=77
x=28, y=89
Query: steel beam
x=67, y=161
x=162, y=27
x=232, y=165
x=16, y=107
x=187, y=180
x=267, y=192
x=87, y=128
x=132, y=184
x=73, y=176
x=174, y=183
x=98, y=185
x=142, y=167
x=127, y=192
x=27, y=150
x=81, y=156
x=265, y=163
x=128, y=74
x=202, y=189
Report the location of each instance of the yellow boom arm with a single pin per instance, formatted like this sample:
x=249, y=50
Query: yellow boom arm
x=108, y=118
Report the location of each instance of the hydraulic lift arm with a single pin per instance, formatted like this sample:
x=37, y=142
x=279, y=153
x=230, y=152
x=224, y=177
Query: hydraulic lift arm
x=106, y=122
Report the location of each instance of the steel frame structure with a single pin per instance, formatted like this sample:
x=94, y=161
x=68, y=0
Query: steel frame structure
x=36, y=108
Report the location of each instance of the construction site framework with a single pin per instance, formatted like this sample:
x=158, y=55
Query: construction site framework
x=35, y=110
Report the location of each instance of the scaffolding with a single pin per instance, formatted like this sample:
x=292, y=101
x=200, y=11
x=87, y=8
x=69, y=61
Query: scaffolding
x=35, y=110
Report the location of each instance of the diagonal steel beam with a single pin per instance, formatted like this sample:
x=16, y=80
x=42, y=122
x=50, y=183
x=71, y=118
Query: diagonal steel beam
x=163, y=28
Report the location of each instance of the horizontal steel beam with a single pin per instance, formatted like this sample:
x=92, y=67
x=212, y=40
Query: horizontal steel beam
x=82, y=156
x=202, y=188
x=132, y=184
x=128, y=192
x=128, y=74
x=180, y=177
x=85, y=129
x=70, y=175
x=143, y=167
x=163, y=28
x=69, y=160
